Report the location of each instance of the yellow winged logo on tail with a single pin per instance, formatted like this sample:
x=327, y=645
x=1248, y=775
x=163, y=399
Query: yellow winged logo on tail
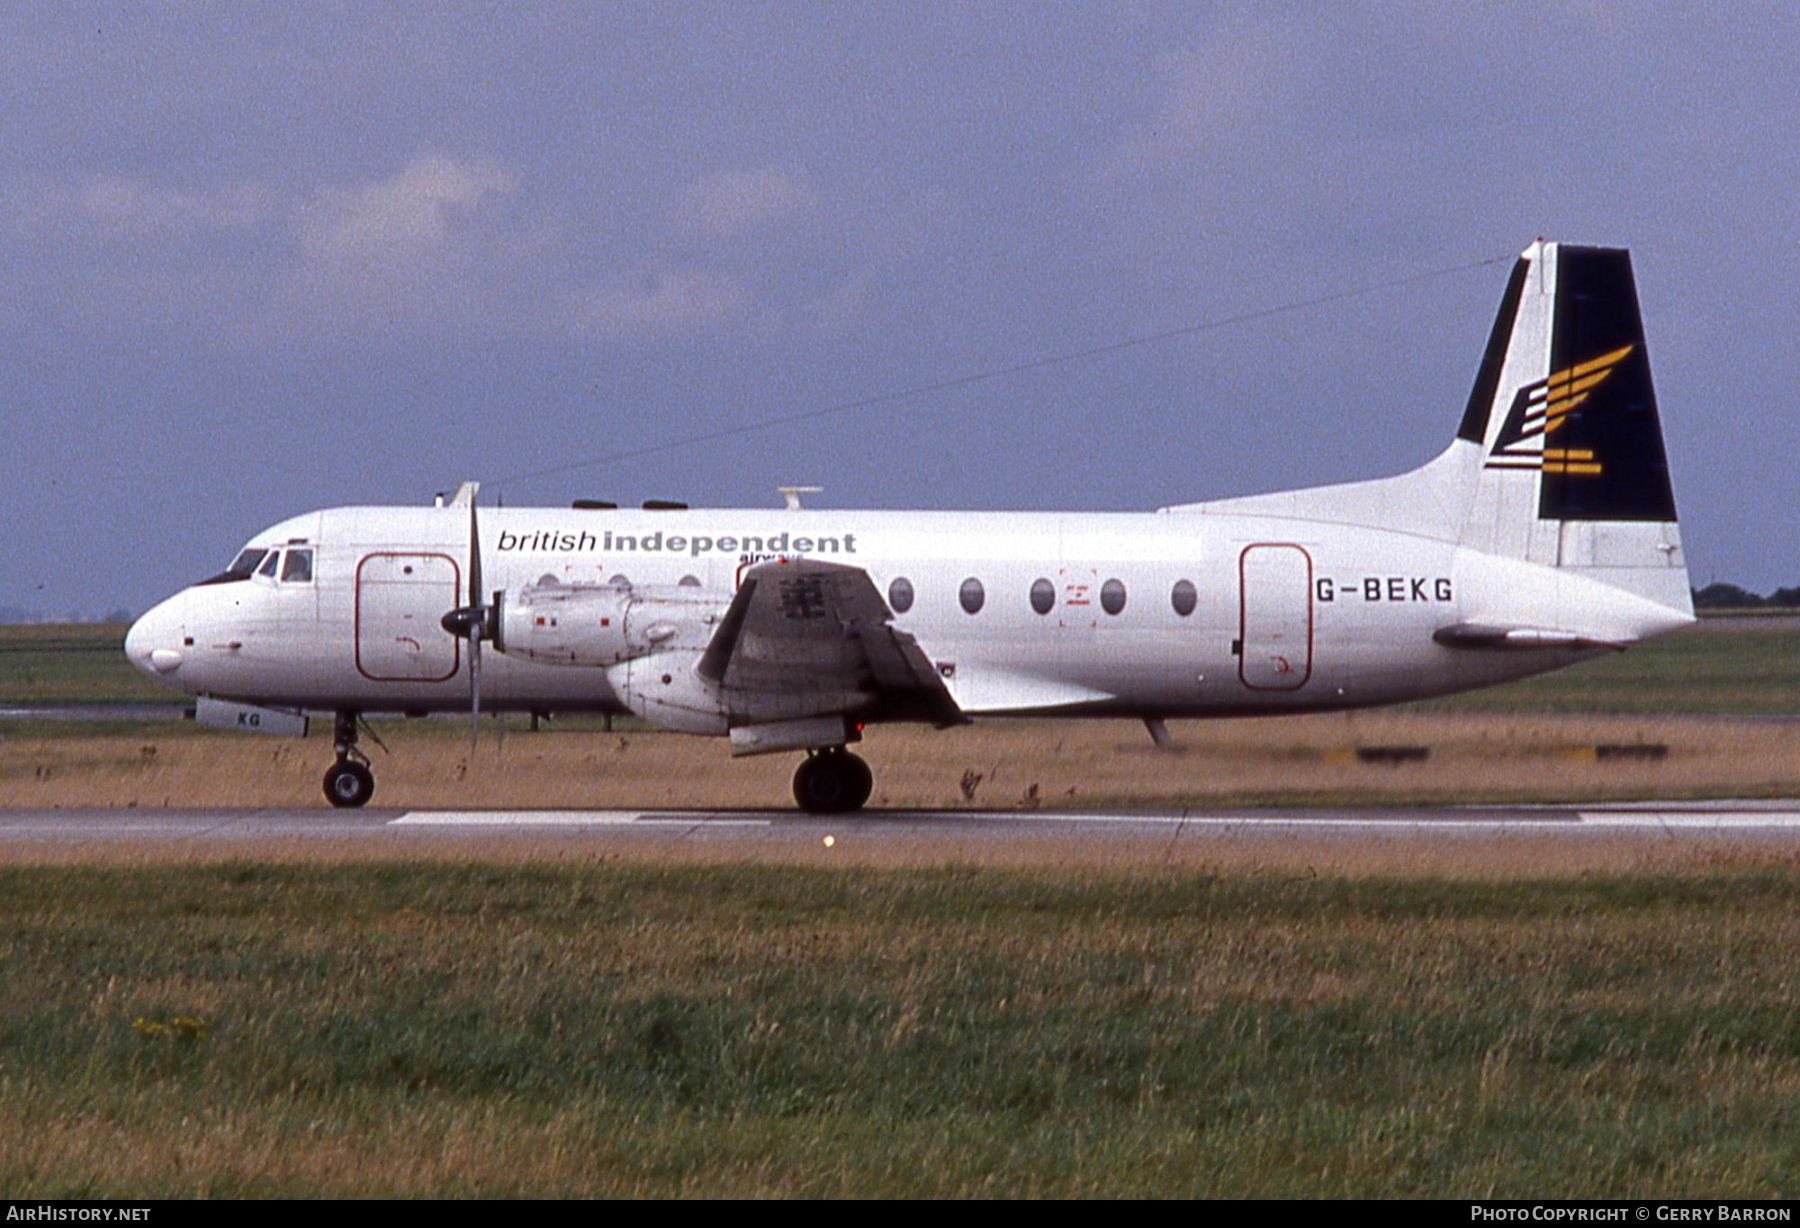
x=1541, y=409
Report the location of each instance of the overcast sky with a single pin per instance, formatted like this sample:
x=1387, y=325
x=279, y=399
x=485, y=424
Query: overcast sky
x=257, y=259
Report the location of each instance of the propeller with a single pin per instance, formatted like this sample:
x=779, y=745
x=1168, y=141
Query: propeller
x=474, y=621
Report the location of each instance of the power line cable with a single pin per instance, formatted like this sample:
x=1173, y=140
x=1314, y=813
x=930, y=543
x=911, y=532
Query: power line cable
x=995, y=373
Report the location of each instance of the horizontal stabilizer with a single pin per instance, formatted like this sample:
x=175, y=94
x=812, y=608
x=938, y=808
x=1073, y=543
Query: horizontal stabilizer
x=1472, y=635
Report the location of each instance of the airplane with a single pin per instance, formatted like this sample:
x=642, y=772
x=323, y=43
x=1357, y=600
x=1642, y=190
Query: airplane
x=1543, y=535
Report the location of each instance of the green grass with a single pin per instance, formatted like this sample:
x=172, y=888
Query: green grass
x=1713, y=668
x=44, y=665
x=246, y=1030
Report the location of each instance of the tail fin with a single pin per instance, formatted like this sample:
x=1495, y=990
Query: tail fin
x=1559, y=459
x=1572, y=469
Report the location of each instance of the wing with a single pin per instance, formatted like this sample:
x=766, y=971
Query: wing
x=801, y=627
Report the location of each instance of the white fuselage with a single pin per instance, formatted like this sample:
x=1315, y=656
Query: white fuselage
x=1286, y=614
x=1544, y=533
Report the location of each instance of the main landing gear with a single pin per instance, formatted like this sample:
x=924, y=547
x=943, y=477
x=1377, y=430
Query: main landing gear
x=349, y=783
x=832, y=781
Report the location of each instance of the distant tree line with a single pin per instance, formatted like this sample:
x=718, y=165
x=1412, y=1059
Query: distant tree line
x=1723, y=596
x=18, y=615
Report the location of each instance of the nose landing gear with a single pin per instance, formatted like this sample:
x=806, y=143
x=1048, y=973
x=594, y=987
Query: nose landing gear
x=832, y=781
x=349, y=782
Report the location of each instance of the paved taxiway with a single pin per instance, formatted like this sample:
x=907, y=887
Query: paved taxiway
x=1779, y=819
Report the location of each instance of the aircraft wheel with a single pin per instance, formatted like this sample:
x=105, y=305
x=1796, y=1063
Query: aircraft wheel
x=349, y=784
x=832, y=782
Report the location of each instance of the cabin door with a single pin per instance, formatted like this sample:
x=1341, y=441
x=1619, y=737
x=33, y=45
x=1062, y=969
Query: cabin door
x=1275, y=618
x=400, y=599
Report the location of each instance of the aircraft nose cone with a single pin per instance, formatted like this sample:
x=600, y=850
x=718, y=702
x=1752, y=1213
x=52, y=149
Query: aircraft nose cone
x=154, y=643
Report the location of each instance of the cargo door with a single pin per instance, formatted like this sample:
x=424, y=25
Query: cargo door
x=1275, y=617
x=400, y=599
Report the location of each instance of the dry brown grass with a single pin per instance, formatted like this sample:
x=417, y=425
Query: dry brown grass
x=1005, y=764
x=1074, y=765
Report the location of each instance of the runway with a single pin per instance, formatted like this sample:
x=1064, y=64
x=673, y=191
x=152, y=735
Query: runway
x=1772, y=819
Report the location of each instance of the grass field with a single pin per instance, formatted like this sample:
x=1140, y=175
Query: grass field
x=1737, y=665
x=73, y=663
x=584, y=1029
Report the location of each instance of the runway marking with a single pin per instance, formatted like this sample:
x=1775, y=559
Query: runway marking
x=1510, y=820
x=1701, y=819
x=564, y=818
x=1500, y=819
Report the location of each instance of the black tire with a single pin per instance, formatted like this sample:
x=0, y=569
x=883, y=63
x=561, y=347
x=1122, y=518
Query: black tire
x=832, y=782
x=349, y=784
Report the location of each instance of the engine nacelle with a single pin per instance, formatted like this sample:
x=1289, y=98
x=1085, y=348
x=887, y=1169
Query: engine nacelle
x=650, y=642
x=565, y=624
x=600, y=625
x=665, y=689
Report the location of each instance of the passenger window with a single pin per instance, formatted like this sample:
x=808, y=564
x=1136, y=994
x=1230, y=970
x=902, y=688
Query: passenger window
x=900, y=594
x=268, y=567
x=972, y=595
x=1183, y=597
x=297, y=567
x=1112, y=596
x=1043, y=596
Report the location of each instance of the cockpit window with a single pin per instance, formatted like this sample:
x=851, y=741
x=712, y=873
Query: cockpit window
x=242, y=567
x=297, y=567
x=268, y=567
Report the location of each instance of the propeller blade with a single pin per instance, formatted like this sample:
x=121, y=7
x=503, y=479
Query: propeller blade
x=493, y=621
x=474, y=621
x=476, y=625
x=474, y=691
x=474, y=556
